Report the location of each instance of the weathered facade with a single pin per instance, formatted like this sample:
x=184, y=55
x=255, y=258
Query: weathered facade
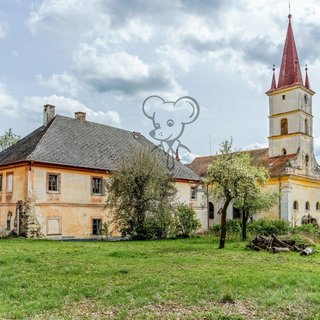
x=52, y=181
x=294, y=172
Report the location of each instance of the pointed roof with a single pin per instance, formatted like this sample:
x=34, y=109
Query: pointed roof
x=307, y=83
x=290, y=72
x=273, y=82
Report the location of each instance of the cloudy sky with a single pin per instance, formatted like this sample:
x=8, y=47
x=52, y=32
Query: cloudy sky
x=105, y=57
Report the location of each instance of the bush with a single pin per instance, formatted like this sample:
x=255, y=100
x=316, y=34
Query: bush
x=268, y=227
x=308, y=228
x=186, y=221
x=233, y=226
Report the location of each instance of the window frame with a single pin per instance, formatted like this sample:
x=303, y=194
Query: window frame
x=307, y=206
x=12, y=184
x=101, y=191
x=284, y=126
x=58, y=182
x=93, y=227
x=193, y=193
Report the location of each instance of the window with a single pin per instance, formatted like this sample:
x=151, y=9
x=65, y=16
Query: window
x=193, y=194
x=53, y=182
x=97, y=185
x=295, y=205
x=284, y=151
x=283, y=97
x=307, y=160
x=236, y=214
x=211, y=210
x=96, y=227
x=9, y=182
x=9, y=220
x=0, y=182
x=317, y=206
x=284, y=126
x=306, y=126
x=307, y=205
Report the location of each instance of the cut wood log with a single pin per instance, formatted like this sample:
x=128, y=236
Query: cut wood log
x=275, y=244
x=280, y=249
x=306, y=252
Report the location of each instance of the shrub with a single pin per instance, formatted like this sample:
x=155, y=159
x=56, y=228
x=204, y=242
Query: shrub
x=186, y=221
x=268, y=227
x=308, y=228
x=233, y=226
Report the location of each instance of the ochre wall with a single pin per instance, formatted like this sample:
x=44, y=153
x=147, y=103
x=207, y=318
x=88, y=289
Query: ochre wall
x=8, y=200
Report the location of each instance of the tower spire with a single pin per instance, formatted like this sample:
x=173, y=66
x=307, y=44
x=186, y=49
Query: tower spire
x=307, y=83
x=290, y=72
x=273, y=82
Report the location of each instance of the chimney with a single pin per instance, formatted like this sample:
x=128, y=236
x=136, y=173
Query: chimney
x=48, y=113
x=80, y=116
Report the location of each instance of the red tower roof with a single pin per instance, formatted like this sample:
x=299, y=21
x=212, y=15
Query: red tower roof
x=290, y=72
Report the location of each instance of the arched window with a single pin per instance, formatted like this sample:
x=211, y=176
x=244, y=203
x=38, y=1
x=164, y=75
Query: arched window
x=296, y=205
x=284, y=151
x=284, y=126
x=9, y=220
x=307, y=205
x=318, y=205
x=306, y=126
x=211, y=210
x=307, y=160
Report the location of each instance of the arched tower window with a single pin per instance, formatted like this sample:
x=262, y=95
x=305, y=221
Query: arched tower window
x=211, y=210
x=307, y=205
x=284, y=151
x=306, y=126
x=284, y=126
x=296, y=205
x=318, y=205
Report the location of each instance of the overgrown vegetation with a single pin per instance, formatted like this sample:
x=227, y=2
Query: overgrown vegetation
x=141, y=196
x=266, y=227
x=232, y=178
x=186, y=220
x=154, y=280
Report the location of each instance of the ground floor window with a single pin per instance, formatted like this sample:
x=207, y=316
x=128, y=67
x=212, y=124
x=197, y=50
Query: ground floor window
x=236, y=214
x=96, y=226
x=211, y=210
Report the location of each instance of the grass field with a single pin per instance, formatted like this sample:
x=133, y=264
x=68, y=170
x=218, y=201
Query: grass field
x=170, y=279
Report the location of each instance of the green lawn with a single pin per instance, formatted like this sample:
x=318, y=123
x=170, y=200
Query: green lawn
x=170, y=279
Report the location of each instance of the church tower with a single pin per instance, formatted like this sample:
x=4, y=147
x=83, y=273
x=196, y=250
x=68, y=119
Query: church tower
x=290, y=110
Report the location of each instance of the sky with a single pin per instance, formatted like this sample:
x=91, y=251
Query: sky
x=105, y=57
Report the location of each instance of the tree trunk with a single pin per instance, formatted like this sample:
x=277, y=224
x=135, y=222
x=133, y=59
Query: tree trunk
x=224, y=224
x=245, y=217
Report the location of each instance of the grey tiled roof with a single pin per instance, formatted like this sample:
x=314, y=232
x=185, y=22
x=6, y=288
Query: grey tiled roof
x=66, y=141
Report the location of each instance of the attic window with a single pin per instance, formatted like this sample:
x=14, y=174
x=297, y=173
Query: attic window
x=283, y=97
x=136, y=134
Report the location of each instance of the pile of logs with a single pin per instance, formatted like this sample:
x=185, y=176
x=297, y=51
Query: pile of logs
x=274, y=244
